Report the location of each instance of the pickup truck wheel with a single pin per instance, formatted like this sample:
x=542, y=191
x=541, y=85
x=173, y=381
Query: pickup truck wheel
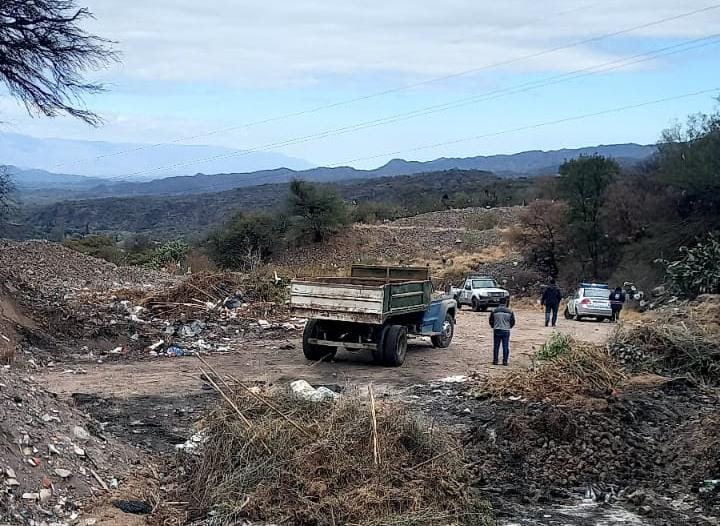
x=567, y=314
x=443, y=339
x=475, y=305
x=395, y=345
x=316, y=352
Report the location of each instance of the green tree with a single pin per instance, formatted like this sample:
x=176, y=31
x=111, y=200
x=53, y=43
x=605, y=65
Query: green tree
x=688, y=160
x=583, y=183
x=246, y=241
x=315, y=212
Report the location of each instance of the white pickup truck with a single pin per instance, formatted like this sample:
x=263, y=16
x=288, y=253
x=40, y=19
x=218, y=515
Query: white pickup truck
x=480, y=292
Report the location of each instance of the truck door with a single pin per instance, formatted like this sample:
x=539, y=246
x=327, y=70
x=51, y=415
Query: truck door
x=467, y=291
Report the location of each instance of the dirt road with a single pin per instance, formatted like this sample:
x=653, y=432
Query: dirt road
x=274, y=361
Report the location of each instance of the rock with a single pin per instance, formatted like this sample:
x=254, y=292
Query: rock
x=81, y=434
x=63, y=473
x=302, y=389
x=45, y=495
x=264, y=324
x=137, y=507
x=11, y=482
x=79, y=451
x=10, y=473
x=31, y=496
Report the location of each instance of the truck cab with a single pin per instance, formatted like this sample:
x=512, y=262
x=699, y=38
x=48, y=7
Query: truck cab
x=480, y=293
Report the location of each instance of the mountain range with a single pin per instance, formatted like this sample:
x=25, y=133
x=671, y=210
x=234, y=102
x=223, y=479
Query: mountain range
x=131, y=160
x=528, y=164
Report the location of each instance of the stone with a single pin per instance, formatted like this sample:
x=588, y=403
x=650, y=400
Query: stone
x=63, y=473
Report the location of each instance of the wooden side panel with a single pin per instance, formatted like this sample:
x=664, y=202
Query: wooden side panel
x=337, y=302
x=389, y=273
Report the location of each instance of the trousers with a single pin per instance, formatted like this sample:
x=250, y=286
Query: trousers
x=501, y=337
x=551, y=313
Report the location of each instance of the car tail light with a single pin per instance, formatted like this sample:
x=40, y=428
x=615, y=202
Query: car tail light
x=586, y=302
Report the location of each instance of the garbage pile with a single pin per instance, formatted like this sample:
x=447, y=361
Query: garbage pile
x=307, y=459
x=53, y=459
x=78, y=308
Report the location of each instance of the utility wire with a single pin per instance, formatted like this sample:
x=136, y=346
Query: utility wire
x=492, y=95
x=411, y=85
x=533, y=126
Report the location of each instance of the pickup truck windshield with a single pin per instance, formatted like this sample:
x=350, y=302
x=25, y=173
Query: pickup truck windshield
x=597, y=293
x=483, y=284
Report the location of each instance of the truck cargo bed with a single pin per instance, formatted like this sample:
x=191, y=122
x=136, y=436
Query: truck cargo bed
x=361, y=298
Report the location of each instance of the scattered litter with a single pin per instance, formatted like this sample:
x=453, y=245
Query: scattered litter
x=136, y=507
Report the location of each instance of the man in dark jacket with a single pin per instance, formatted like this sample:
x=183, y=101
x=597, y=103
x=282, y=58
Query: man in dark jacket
x=617, y=300
x=551, y=298
x=502, y=319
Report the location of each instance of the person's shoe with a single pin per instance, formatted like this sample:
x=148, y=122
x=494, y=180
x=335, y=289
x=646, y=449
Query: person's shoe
x=553, y=325
x=495, y=363
x=505, y=364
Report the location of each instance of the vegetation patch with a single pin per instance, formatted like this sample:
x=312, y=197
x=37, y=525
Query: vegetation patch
x=291, y=461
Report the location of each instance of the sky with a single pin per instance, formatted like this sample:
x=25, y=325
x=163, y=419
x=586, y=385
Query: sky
x=190, y=70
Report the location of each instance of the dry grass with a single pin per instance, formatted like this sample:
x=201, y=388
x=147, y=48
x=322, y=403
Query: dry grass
x=584, y=370
x=203, y=287
x=307, y=463
x=672, y=346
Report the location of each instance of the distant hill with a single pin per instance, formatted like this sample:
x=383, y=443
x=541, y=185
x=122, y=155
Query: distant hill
x=41, y=179
x=191, y=216
x=100, y=159
x=530, y=163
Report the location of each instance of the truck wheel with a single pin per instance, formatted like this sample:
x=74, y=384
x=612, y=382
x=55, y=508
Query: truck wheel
x=567, y=314
x=443, y=339
x=378, y=352
x=316, y=352
x=475, y=305
x=395, y=345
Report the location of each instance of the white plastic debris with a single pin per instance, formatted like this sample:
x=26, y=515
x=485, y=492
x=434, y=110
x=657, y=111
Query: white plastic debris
x=305, y=391
x=191, y=444
x=454, y=379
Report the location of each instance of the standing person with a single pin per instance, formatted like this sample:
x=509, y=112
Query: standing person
x=502, y=320
x=617, y=300
x=551, y=298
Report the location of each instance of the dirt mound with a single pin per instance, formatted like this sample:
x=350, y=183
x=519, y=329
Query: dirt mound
x=333, y=462
x=53, y=459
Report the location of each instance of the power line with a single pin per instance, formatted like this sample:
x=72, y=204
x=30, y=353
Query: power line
x=492, y=95
x=412, y=85
x=533, y=126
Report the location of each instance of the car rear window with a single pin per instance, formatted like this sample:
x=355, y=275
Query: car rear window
x=483, y=284
x=597, y=293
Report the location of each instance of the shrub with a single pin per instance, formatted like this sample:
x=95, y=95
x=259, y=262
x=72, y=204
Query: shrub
x=698, y=272
x=246, y=241
x=558, y=345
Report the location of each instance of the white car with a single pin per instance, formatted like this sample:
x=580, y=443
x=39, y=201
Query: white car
x=480, y=293
x=591, y=300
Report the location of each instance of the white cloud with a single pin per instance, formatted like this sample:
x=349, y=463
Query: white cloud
x=267, y=43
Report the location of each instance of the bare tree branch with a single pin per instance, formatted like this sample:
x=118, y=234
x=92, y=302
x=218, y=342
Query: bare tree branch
x=44, y=54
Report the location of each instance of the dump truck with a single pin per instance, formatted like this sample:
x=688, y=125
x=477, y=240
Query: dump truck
x=374, y=309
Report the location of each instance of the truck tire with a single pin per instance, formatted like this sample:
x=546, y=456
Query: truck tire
x=378, y=352
x=475, y=305
x=394, y=346
x=443, y=339
x=567, y=314
x=316, y=352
